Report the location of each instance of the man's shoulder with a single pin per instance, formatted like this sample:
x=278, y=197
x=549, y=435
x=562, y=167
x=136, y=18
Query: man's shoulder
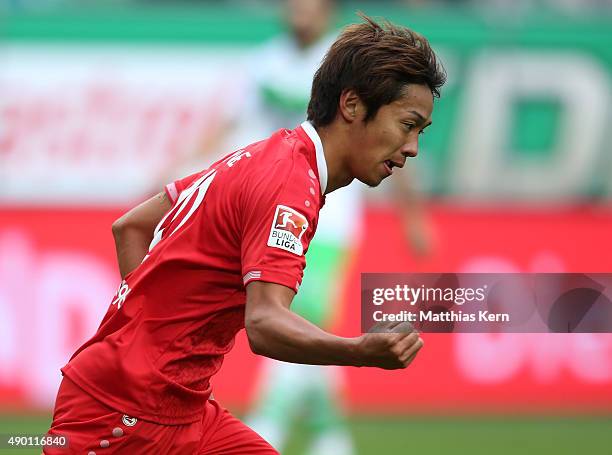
x=285, y=147
x=281, y=160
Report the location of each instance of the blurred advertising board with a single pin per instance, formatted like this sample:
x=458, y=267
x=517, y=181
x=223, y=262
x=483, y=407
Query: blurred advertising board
x=58, y=275
x=94, y=108
x=104, y=122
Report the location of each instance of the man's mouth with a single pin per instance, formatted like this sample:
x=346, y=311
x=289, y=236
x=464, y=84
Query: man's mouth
x=389, y=165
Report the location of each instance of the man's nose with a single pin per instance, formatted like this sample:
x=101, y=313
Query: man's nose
x=410, y=149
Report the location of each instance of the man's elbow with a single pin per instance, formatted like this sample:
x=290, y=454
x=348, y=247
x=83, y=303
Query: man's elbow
x=256, y=333
x=118, y=227
x=126, y=225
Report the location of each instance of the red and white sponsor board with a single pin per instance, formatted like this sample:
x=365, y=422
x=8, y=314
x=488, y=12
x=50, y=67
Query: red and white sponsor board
x=58, y=275
x=106, y=122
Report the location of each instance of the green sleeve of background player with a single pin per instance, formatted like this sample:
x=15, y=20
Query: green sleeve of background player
x=315, y=298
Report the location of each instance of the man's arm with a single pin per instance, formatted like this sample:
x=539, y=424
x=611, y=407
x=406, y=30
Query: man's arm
x=133, y=232
x=275, y=331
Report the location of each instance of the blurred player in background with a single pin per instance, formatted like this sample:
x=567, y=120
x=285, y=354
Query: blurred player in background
x=282, y=90
x=236, y=232
x=276, y=96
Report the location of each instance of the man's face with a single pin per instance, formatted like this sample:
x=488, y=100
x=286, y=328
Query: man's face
x=391, y=136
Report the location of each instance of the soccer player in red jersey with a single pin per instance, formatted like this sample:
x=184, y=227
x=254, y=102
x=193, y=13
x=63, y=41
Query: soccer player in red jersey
x=223, y=250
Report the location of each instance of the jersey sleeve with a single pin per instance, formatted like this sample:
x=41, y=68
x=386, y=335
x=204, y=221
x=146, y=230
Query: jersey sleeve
x=280, y=213
x=174, y=189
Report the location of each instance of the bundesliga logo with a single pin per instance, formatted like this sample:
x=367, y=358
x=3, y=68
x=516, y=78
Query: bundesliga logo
x=287, y=230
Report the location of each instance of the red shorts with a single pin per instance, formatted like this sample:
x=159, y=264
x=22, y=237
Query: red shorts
x=92, y=428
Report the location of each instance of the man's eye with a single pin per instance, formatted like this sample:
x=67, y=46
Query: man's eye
x=409, y=126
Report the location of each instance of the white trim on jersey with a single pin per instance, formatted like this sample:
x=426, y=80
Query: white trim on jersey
x=321, y=163
x=252, y=275
x=172, y=192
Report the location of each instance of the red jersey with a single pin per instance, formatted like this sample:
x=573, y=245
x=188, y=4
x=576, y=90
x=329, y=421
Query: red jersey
x=250, y=216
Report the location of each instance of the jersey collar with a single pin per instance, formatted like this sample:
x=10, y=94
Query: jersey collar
x=321, y=163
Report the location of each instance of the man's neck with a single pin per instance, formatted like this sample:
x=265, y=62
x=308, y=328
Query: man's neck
x=333, y=138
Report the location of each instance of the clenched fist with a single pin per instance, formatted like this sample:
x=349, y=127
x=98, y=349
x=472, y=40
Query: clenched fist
x=390, y=346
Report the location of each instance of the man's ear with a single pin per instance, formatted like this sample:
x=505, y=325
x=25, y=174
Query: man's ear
x=350, y=105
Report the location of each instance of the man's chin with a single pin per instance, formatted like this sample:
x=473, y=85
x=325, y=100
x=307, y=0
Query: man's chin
x=372, y=183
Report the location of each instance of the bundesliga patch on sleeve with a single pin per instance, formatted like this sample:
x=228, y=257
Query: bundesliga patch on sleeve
x=288, y=226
